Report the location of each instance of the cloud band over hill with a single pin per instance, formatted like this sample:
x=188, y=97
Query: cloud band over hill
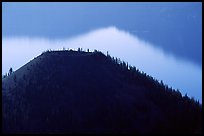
x=184, y=75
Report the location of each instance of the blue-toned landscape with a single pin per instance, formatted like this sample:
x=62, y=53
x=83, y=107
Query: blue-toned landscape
x=66, y=64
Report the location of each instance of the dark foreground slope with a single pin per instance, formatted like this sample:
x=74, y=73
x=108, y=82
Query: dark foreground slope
x=85, y=92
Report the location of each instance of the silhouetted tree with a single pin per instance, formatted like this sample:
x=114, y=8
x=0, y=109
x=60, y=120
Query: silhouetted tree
x=116, y=60
x=4, y=76
x=162, y=84
x=87, y=50
x=10, y=71
x=107, y=54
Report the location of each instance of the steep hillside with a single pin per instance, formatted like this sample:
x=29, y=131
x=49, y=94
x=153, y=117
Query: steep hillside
x=89, y=92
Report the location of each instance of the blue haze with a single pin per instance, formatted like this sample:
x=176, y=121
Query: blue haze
x=175, y=28
x=179, y=74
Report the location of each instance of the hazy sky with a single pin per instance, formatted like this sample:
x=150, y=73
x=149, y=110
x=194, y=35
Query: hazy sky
x=162, y=39
x=175, y=27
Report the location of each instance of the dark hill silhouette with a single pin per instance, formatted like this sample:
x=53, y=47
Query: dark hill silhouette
x=89, y=92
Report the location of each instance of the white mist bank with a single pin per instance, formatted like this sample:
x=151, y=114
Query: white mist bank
x=180, y=74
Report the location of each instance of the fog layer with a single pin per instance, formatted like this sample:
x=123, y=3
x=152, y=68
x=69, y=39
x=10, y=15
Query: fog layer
x=180, y=74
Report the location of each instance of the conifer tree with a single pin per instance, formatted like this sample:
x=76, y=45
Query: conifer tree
x=10, y=71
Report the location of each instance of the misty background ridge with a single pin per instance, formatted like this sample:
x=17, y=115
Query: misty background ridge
x=119, y=43
x=174, y=27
